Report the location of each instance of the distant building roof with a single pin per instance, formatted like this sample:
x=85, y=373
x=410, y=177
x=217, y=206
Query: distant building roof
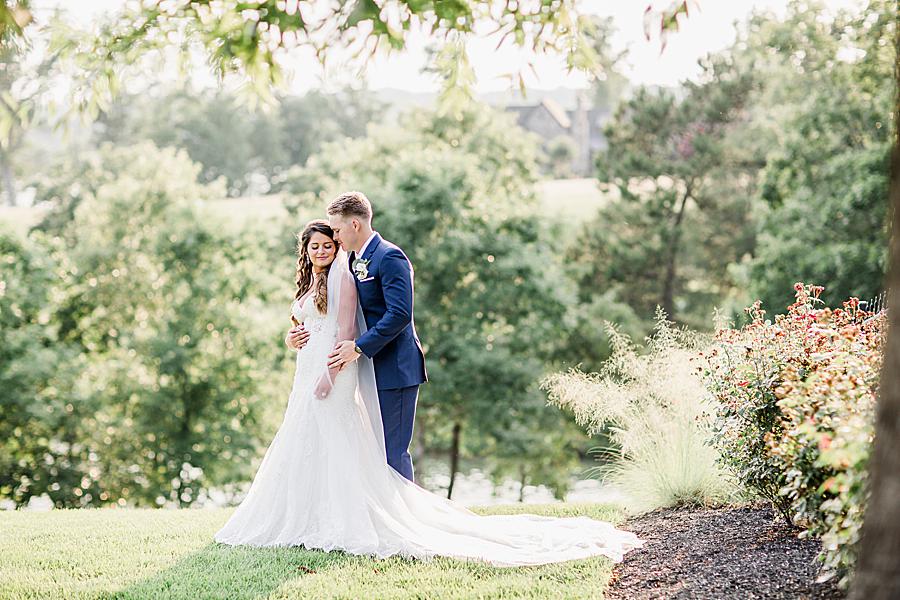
x=558, y=112
x=550, y=105
x=549, y=120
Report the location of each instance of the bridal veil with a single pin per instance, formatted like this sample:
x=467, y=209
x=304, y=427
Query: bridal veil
x=342, y=301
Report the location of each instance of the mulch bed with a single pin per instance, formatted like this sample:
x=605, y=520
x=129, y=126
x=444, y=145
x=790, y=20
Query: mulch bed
x=734, y=552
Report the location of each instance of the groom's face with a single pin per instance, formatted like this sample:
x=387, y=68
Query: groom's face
x=346, y=232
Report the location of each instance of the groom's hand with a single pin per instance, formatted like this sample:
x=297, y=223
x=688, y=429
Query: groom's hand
x=344, y=353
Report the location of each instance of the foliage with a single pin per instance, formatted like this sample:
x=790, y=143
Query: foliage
x=160, y=392
x=39, y=425
x=22, y=87
x=541, y=449
x=560, y=153
x=825, y=183
x=667, y=18
x=231, y=142
x=14, y=16
x=611, y=84
x=743, y=373
x=455, y=191
x=830, y=406
x=252, y=38
x=672, y=163
x=656, y=410
x=796, y=413
x=772, y=164
x=213, y=130
x=586, y=345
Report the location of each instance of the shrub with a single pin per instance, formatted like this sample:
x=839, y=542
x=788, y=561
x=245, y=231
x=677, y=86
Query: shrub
x=744, y=367
x=796, y=409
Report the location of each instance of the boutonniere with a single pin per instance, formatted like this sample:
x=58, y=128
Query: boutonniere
x=361, y=268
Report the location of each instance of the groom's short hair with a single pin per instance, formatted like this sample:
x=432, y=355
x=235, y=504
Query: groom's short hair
x=351, y=204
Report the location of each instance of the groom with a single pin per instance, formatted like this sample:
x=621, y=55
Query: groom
x=384, y=284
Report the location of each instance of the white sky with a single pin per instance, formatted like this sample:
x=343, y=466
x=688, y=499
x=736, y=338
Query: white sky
x=709, y=30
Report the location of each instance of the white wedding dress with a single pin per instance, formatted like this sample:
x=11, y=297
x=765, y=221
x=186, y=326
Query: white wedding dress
x=324, y=482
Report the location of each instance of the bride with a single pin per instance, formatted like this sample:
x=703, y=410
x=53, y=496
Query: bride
x=324, y=482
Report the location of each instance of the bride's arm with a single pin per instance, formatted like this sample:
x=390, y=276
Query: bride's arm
x=346, y=323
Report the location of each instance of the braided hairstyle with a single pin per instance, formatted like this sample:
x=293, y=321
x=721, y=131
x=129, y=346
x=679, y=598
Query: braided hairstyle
x=305, y=267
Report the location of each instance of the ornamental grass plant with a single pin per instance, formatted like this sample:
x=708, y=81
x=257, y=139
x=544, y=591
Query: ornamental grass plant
x=657, y=415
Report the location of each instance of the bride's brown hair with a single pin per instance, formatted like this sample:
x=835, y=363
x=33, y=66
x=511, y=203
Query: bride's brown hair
x=305, y=266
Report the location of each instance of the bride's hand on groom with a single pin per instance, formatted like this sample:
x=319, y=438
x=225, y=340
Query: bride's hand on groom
x=296, y=337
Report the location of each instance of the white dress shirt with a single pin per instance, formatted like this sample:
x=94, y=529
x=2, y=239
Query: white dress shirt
x=366, y=245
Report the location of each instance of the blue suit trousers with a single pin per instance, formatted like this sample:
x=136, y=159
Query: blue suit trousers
x=398, y=413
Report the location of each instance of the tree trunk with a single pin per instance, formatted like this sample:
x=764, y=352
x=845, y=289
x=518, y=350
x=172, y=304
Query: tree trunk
x=454, y=456
x=668, y=299
x=877, y=574
x=522, y=481
x=9, y=184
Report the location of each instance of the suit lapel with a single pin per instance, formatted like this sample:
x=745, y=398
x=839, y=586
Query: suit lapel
x=372, y=245
x=370, y=249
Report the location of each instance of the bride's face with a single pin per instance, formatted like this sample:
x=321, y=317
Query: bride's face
x=321, y=250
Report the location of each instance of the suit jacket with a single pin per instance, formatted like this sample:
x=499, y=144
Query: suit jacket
x=386, y=297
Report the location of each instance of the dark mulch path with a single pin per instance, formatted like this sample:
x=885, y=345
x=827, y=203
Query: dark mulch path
x=734, y=552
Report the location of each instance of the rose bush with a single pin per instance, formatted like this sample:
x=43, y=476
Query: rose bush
x=795, y=413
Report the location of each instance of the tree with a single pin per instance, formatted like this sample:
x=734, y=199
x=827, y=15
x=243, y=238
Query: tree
x=42, y=411
x=675, y=171
x=824, y=184
x=487, y=313
x=245, y=147
x=877, y=576
x=21, y=90
x=15, y=15
x=611, y=84
x=306, y=123
x=215, y=132
x=560, y=153
x=160, y=318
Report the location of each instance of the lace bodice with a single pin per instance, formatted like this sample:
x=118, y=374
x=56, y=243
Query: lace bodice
x=309, y=315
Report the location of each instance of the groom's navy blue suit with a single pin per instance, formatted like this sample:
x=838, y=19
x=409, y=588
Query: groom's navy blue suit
x=386, y=297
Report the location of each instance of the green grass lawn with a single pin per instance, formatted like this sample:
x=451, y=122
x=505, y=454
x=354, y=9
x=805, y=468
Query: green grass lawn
x=575, y=200
x=147, y=553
